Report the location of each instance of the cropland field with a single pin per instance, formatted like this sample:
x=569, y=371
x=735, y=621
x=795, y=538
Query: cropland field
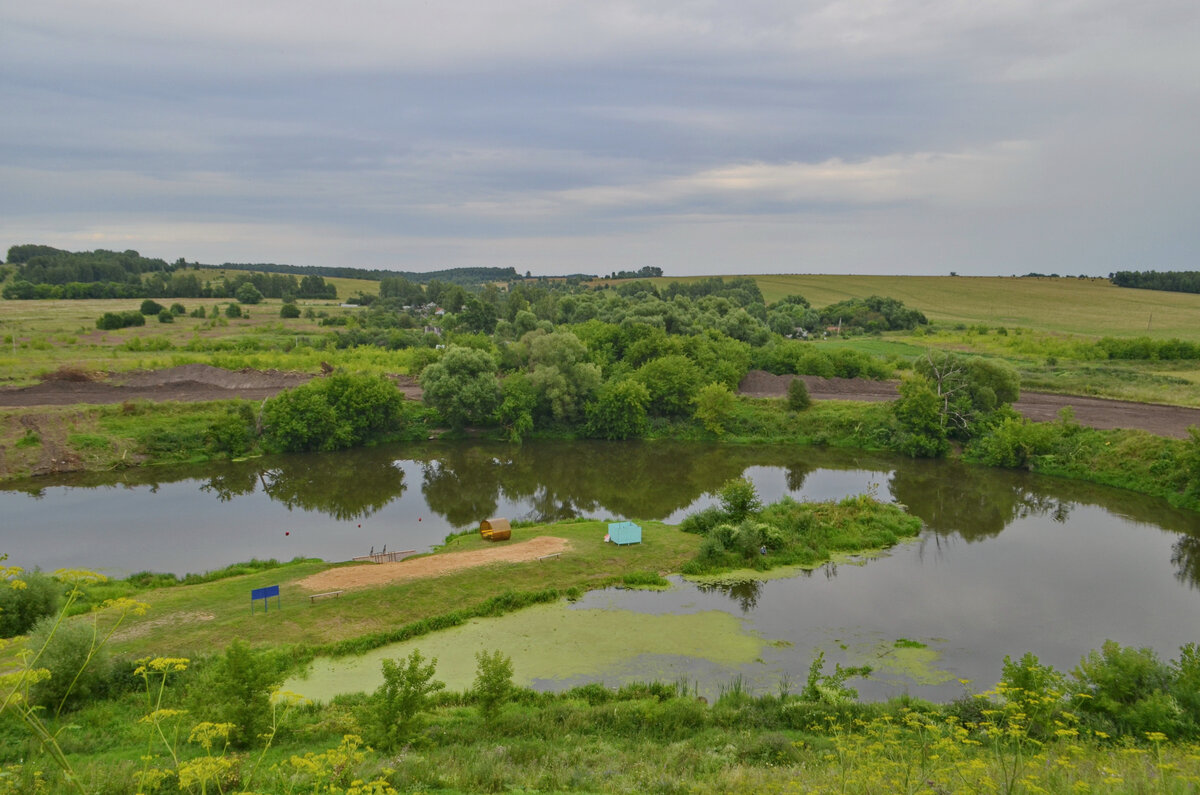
x=1092, y=307
x=345, y=287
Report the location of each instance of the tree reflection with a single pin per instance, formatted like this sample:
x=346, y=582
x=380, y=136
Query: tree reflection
x=233, y=482
x=462, y=486
x=745, y=592
x=975, y=502
x=1185, y=556
x=332, y=485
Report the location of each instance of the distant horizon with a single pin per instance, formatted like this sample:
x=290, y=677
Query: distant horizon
x=601, y=274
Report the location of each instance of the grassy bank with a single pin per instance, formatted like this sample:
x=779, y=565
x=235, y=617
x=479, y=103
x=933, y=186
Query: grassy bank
x=191, y=619
x=96, y=438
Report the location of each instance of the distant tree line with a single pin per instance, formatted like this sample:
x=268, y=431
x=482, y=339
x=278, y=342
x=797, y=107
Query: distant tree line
x=647, y=272
x=47, y=272
x=463, y=276
x=1172, y=281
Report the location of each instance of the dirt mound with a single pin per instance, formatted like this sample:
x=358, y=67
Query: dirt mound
x=187, y=383
x=374, y=574
x=1099, y=413
x=210, y=376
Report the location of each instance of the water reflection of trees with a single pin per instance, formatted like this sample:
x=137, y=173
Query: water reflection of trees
x=745, y=592
x=1185, y=557
x=973, y=502
x=562, y=481
x=326, y=484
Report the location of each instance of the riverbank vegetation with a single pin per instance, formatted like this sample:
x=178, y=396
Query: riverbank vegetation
x=1122, y=720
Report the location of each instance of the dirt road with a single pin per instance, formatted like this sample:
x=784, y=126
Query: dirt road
x=1172, y=421
x=196, y=382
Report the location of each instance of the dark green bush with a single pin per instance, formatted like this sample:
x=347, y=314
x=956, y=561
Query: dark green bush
x=234, y=433
x=237, y=689
x=150, y=307
x=22, y=608
x=1129, y=688
x=166, y=316
x=332, y=413
x=797, y=395
x=115, y=320
x=74, y=679
x=289, y=311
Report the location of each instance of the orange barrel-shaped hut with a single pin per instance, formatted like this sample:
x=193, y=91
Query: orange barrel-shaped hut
x=495, y=529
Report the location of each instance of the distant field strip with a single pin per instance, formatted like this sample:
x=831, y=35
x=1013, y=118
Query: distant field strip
x=1064, y=305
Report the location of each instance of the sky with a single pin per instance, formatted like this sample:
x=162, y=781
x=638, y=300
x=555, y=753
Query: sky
x=989, y=137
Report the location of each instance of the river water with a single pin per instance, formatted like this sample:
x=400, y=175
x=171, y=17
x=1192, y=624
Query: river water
x=1008, y=562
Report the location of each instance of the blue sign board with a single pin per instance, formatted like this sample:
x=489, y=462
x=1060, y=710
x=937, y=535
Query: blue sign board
x=265, y=594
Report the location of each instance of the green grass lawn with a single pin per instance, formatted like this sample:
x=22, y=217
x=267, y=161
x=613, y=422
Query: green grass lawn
x=194, y=619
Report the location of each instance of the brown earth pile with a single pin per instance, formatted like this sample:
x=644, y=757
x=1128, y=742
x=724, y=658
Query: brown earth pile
x=187, y=383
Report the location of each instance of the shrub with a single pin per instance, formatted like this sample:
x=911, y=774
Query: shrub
x=239, y=690
x=22, y=608
x=233, y=433
x=797, y=395
x=150, y=307
x=493, y=683
x=165, y=316
x=233, y=310
x=739, y=499
x=289, y=311
x=918, y=413
x=78, y=670
x=715, y=405
x=199, y=312
x=115, y=320
x=332, y=413
x=1015, y=442
x=702, y=521
x=1129, y=688
x=395, y=711
x=247, y=293
x=178, y=309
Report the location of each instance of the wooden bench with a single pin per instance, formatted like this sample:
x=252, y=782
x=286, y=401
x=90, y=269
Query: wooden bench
x=314, y=597
x=551, y=555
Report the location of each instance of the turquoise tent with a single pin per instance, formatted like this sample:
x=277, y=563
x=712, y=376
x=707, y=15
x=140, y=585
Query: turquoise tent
x=624, y=533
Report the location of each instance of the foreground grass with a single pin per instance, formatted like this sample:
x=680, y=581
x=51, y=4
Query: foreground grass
x=644, y=738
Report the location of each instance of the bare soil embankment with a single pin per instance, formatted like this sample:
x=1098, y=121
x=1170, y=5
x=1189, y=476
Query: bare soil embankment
x=1171, y=421
x=189, y=383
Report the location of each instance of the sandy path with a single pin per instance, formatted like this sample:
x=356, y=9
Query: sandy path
x=373, y=574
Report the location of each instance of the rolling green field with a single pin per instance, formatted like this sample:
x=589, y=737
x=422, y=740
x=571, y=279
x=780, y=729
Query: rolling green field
x=38, y=337
x=1092, y=307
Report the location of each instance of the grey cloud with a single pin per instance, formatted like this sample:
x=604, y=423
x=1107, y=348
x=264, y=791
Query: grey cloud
x=998, y=137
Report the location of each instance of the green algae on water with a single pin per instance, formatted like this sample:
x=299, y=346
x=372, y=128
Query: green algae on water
x=546, y=642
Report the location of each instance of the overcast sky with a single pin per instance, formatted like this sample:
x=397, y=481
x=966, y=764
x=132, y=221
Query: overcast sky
x=855, y=136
